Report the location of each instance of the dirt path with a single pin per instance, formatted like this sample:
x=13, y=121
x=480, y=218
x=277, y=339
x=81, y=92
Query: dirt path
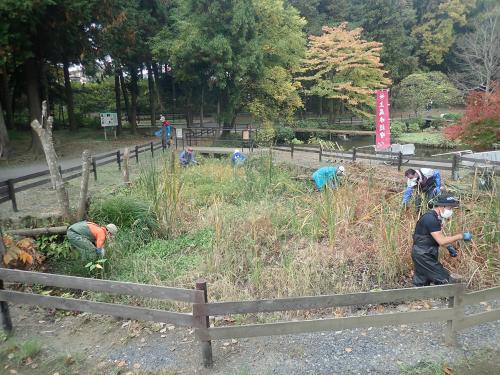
x=92, y=344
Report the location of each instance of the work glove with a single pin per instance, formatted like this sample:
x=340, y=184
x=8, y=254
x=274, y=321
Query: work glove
x=437, y=191
x=453, y=252
x=100, y=251
x=467, y=236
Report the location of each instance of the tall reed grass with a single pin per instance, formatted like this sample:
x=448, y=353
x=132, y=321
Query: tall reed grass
x=255, y=236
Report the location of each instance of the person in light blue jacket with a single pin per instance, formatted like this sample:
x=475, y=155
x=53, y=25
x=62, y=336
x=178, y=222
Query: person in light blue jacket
x=424, y=181
x=238, y=158
x=327, y=176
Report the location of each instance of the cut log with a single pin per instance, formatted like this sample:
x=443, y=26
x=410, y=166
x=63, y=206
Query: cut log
x=34, y=232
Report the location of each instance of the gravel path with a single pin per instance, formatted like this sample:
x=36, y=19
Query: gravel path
x=113, y=346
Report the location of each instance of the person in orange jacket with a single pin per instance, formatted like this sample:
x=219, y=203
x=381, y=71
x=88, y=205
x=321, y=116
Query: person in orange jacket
x=89, y=238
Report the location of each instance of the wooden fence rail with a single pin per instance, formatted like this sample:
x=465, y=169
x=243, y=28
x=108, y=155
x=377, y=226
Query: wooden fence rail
x=202, y=310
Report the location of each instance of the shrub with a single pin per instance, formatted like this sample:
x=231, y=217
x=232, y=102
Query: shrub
x=312, y=123
x=369, y=125
x=284, y=135
x=397, y=128
x=438, y=123
x=414, y=127
x=483, y=133
x=296, y=141
x=452, y=116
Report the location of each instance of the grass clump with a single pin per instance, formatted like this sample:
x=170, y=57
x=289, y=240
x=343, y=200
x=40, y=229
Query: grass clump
x=17, y=352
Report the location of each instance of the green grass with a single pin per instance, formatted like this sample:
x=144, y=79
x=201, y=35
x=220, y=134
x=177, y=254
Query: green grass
x=482, y=362
x=426, y=137
x=16, y=352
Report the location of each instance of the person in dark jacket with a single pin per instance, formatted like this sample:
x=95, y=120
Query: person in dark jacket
x=186, y=157
x=428, y=237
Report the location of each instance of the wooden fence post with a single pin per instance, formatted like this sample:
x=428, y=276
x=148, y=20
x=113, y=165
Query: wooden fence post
x=84, y=185
x=126, y=159
x=4, y=307
x=400, y=160
x=152, y=149
x=354, y=154
x=206, y=346
x=455, y=302
x=291, y=150
x=94, y=168
x=320, y=152
x=12, y=195
x=455, y=166
x=118, y=160
x=137, y=154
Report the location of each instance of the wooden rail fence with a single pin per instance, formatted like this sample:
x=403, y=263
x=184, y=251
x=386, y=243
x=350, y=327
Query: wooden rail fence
x=454, y=314
x=454, y=165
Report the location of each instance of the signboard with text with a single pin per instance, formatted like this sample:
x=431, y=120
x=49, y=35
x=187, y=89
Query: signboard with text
x=109, y=119
x=382, y=120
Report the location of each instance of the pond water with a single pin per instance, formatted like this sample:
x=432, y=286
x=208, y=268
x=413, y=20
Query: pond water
x=368, y=140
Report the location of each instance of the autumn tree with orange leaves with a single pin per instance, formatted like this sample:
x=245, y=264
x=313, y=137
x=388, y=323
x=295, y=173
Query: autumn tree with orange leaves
x=343, y=68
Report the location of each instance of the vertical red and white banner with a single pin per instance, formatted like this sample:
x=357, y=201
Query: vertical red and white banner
x=382, y=120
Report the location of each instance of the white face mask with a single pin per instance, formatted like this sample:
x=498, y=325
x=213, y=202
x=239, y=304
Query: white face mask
x=446, y=214
x=412, y=182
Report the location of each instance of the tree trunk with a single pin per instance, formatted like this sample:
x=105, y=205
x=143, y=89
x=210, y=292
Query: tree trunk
x=44, y=81
x=126, y=161
x=156, y=76
x=125, y=94
x=118, y=104
x=152, y=95
x=134, y=90
x=320, y=106
x=45, y=136
x=331, y=114
x=189, y=108
x=7, y=98
x=73, y=126
x=84, y=185
x=34, y=232
x=174, y=99
x=4, y=135
x=31, y=78
x=218, y=109
x=201, y=104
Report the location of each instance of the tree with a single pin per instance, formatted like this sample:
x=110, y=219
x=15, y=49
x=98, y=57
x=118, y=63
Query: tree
x=435, y=30
x=44, y=131
x=415, y=91
x=341, y=66
x=389, y=22
x=478, y=53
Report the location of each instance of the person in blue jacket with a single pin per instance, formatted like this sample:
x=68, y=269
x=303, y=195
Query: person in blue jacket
x=186, y=157
x=327, y=176
x=424, y=181
x=238, y=158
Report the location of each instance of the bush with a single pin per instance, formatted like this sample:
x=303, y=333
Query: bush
x=284, y=135
x=124, y=211
x=452, y=116
x=397, y=128
x=370, y=125
x=311, y=123
x=296, y=141
x=483, y=133
x=414, y=127
x=438, y=123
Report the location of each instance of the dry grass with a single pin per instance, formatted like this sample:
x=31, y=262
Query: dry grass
x=277, y=237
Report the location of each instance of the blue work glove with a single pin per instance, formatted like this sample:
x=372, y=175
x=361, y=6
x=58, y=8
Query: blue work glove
x=437, y=191
x=100, y=251
x=467, y=236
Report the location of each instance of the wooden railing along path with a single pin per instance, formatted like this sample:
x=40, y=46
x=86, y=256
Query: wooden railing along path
x=454, y=314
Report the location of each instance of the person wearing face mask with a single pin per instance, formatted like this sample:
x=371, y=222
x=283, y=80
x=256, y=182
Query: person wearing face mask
x=428, y=237
x=423, y=180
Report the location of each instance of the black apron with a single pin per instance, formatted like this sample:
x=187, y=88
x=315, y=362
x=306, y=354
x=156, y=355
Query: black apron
x=425, y=260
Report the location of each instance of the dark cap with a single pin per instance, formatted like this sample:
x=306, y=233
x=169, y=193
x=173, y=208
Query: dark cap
x=446, y=200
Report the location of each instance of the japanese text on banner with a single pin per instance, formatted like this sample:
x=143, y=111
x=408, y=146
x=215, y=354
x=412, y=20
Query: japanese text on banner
x=382, y=120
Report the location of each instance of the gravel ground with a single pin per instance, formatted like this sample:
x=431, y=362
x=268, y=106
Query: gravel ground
x=110, y=346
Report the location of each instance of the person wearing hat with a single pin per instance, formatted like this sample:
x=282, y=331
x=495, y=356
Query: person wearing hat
x=238, y=158
x=428, y=237
x=187, y=157
x=89, y=238
x=327, y=176
x=423, y=180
